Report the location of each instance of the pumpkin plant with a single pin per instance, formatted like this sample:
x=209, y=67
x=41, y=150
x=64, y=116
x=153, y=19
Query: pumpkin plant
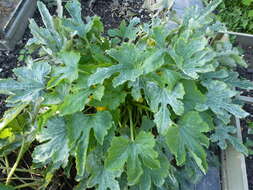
x=137, y=108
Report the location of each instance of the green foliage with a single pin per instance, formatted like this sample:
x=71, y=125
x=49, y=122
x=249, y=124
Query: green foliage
x=249, y=141
x=132, y=110
x=224, y=134
x=237, y=15
x=6, y=187
x=187, y=136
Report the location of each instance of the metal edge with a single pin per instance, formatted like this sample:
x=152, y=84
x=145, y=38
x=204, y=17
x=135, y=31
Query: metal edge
x=13, y=15
x=19, y=26
x=26, y=11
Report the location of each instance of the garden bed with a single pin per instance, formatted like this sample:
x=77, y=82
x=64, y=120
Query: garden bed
x=111, y=15
x=14, y=20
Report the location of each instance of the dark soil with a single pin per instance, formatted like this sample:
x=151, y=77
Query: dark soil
x=112, y=12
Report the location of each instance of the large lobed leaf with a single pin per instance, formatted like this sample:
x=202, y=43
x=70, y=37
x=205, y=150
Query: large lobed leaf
x=225, y=134
x=135, y=154
x=71, y=135
x=187, y=136
x=219, y=100
x=29, y=84
x=159, y=99
x=193, y=56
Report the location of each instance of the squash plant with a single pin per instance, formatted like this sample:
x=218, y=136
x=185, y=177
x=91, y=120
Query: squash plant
x=137, y=108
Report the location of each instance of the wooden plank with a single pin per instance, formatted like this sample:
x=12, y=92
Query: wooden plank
x=234, y=176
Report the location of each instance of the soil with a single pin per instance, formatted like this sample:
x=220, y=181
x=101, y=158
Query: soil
x=112, y=12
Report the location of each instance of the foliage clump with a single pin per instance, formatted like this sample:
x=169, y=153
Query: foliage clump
x=138, y=108
x=237, y=14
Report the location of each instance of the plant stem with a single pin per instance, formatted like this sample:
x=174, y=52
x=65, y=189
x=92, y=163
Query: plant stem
x=19, y=170
x=131, y=124
x=142, y=106
x=6, y=163
x=26, y=185
x=16, y=163
x=21, y=178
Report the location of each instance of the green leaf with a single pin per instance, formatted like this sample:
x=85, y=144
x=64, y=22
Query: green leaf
x=159, y=34
x=11, y=138
x=56, y=96
x=219, y=100
x=46, y=16
x=250, y=13
x=192, y=56
x=136, y=154
x=193, y=95
x=112, y=98
x=229, y=56
x=6, y=187
x=11, y=114
x=78, y=137
x=70, y=69
x=54, y=138
x=154, y=176
x=101, y=178
x=187, y=137
x=234, y=81
x=230, y=78
x=74, y=102
x=154, y=61
x=29, y=84
x=76, y=24
x=247, y=2
x=159, y=98
x=52, y=40
x=105, y=179
x=126, y=32
x=128, y=67
x=224, y=134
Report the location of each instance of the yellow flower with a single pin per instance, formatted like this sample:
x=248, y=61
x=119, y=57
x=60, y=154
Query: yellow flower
x=101, y=108
x=151, y=42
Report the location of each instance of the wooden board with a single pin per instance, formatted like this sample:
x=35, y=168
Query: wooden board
x=234, y=176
